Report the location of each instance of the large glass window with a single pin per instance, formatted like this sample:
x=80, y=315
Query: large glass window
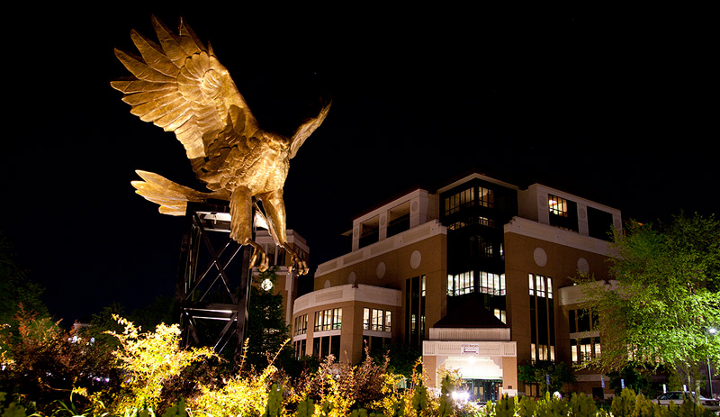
x=415, y=310
x=377, y=319
x=493, y=284
x=600, y=224
x=540, y=286
x=301, y=322
x=330, y=319
x=584, y=349
x=300, y=347
x=486, y=197
x=542, y=318
x=557, y=206
x=327, y=345
x=455, y=202
x=563, y=213
x=459, y=284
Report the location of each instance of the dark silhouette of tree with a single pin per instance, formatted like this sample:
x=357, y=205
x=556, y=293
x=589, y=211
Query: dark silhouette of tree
x=267, y=332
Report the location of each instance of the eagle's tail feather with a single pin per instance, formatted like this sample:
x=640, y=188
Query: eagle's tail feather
x=171, y=197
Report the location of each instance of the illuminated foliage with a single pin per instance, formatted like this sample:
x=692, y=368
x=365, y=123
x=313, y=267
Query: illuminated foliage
x=148, y=360
x=666, y=295
x=239, y=395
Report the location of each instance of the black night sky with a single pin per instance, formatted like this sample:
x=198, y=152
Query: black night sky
x=615, y=105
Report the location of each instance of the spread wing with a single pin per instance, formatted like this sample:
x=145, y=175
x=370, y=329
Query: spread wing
x=306, y=129
x=180, y=86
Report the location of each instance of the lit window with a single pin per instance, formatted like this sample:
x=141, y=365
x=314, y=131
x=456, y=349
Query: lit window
x=557, y=206
x=492, y=283
x=459, y=200
x=531, y=284
x=540, y=286
x=533, y=353
x=500, y=314
x=463, y=283
x=377, y=320
x=330, y=319
x=301, y=324
x=549, y=288
x=487, y=199
x=457, y=225
x=563, y=213
x=337, y=318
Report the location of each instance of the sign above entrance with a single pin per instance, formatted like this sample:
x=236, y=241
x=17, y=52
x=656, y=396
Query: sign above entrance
x=470, y=349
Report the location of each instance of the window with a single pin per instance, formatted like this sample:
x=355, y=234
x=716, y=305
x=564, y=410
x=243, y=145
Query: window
x=300, y=346
x=486, y=249
x=600, y=224
x=375, y=344
x=398, y=224
x=585, y=349
x=369, y=232
x=542, y=317
x=540, y=286
x=486, y=197
x=583, y=346
x=377, y=320
x=327, y=345
x=493, y=284
x=563, y=213
x=457, y=225
x=415, y=310
x=582, y=320
x=330, y=319
x=557, y=206
x=460, y=284
x=301, y=324
x=462, y=199
x=501, y=314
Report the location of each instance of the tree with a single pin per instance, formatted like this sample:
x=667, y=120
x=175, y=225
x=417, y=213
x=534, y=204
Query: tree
x=15, y=287
x=664, y=298
x=266, y=331
x=542, y=372
x=403, y=359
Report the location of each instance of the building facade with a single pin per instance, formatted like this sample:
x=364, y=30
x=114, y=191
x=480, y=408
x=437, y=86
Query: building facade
x=476, y=274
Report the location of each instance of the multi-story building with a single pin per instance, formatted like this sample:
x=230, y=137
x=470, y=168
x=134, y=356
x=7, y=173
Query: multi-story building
x=476, y=274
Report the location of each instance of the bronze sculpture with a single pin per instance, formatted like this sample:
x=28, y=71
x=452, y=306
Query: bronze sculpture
x=181, y=86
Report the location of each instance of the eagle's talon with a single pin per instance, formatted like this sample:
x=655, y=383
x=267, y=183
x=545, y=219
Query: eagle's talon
x=258, y=257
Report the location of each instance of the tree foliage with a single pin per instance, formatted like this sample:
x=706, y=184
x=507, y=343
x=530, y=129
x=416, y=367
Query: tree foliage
x=148, y=360
x=15, y=286
x=43, y=362
x=664, y=296
x=540, y=372
x=267, y=332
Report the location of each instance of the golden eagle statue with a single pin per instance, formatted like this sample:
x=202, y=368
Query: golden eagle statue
x=180, y=86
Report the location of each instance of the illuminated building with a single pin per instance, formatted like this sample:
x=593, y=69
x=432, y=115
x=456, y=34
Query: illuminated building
x=475, y=273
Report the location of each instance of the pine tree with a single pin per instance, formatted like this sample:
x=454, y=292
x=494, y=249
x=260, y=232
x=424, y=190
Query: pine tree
x=267, y=331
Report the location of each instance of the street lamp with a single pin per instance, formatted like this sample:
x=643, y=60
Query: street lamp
x=712, y=331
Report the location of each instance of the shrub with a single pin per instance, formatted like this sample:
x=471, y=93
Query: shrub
x=147, y=361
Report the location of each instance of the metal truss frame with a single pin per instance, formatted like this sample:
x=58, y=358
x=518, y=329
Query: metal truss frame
x=212, y=291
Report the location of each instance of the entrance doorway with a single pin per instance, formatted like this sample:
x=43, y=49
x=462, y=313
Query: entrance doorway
x=483, y=390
